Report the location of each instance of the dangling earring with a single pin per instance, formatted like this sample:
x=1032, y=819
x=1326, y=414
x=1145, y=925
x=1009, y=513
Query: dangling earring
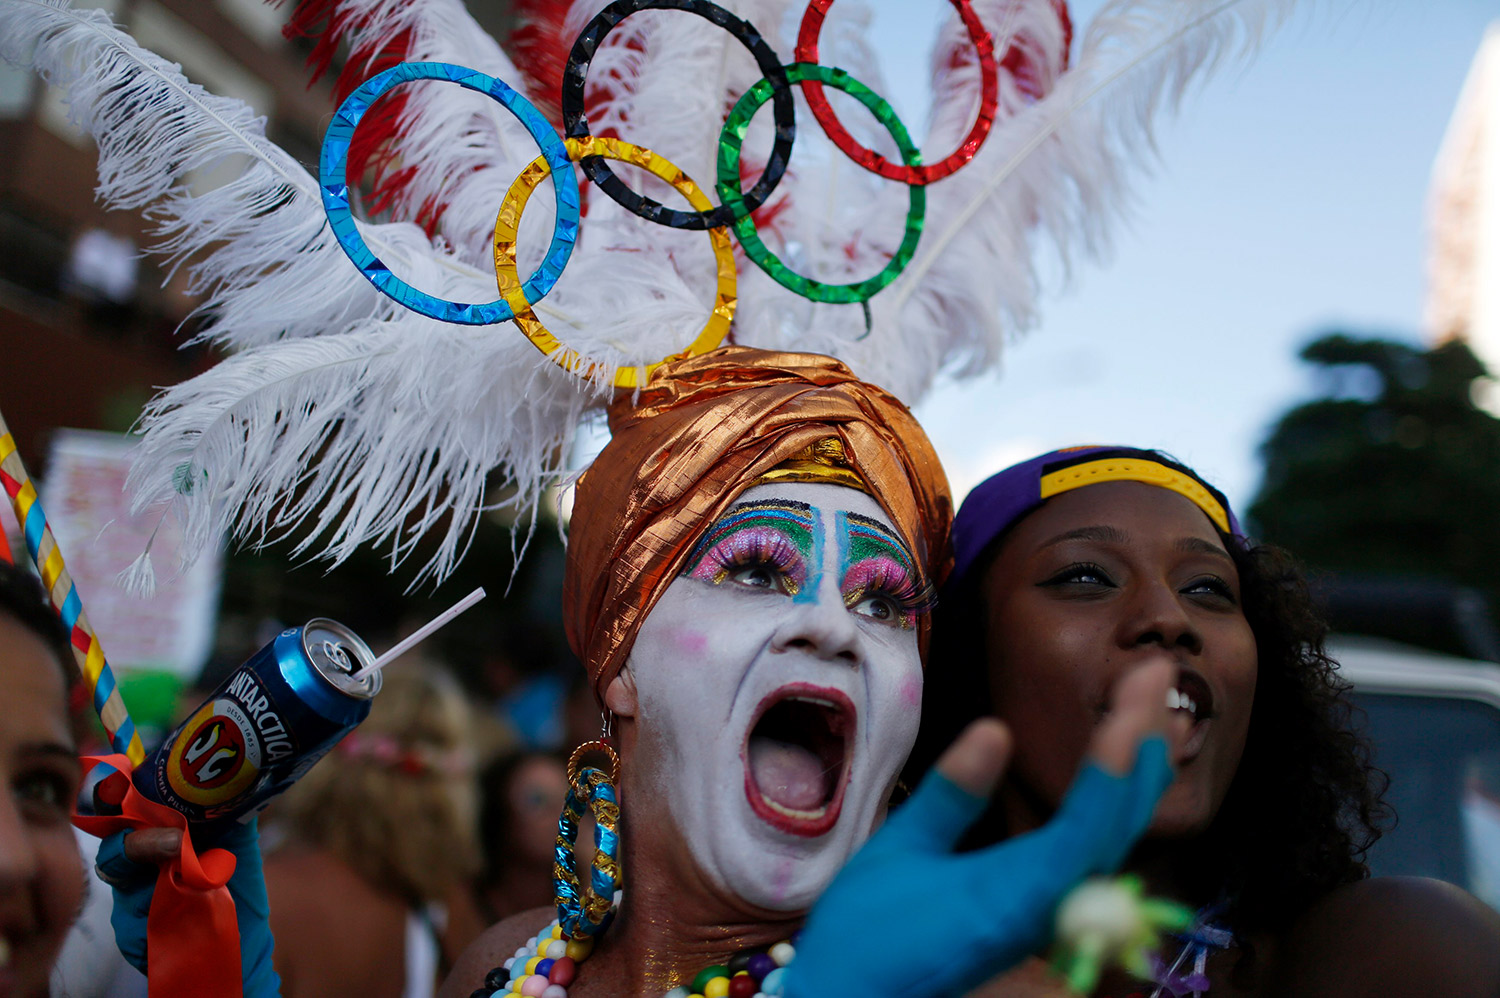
x=583, y=910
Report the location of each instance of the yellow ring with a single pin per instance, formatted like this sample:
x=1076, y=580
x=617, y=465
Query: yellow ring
x=509, y=220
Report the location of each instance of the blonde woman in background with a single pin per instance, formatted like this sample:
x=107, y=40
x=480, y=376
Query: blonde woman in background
x=375, y=848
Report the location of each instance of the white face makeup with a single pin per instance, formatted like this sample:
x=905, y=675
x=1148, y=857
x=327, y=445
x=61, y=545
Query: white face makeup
x=779, y=687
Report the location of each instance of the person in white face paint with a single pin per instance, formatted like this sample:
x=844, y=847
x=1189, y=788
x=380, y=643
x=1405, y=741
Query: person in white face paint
x=782, y=681
x=750, y=563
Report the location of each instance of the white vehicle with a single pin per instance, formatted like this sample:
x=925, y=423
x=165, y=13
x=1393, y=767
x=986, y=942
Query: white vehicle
x=1435, y=723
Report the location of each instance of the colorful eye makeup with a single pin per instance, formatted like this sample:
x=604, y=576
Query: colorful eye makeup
x=776, y=545
x=763, y=545
x=880, y=578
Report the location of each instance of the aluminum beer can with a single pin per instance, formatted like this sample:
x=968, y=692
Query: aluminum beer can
x=265, y=726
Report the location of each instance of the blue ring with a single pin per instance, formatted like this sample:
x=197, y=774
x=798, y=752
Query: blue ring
x=334, y=186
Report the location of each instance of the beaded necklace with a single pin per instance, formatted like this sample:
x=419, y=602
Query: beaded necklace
x=1175, y=980
x=548, y=964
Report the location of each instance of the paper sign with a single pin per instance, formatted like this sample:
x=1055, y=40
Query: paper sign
x=84, y=496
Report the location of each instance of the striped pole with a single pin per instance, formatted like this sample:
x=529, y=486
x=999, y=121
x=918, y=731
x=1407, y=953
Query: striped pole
x=49, y=562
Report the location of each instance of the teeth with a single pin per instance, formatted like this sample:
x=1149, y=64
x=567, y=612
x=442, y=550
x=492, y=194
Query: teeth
x=1177, y=700
x=792, y=812
x=816, y=701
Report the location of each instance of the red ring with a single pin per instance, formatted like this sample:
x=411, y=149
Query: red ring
x=817, y=100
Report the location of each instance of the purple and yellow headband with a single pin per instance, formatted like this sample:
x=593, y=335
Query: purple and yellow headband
x=1006, y=496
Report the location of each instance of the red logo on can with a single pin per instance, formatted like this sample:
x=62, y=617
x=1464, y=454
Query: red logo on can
x=213, y=754
x=216, y=755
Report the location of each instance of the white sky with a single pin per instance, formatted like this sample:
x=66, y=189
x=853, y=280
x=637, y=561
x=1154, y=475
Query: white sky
x=1289, y=199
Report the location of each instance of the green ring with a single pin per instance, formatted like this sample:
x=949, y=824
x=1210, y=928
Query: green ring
x=733, y=137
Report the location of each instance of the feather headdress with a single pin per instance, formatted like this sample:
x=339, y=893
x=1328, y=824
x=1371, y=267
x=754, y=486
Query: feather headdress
x=340, y=410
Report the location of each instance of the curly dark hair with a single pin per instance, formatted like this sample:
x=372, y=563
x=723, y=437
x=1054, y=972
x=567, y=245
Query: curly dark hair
x=23, y=600
x=1306, y=803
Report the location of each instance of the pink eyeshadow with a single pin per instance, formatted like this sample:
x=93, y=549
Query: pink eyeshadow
x=760, y=540
x=878, y=571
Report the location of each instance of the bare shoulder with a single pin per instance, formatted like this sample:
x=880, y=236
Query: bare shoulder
x=494, y=946
x=1392, y=936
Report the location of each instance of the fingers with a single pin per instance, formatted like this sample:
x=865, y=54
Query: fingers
x=977, y=759
x=1138, y=709
x=153, y=845
x=1110, y=804
x=1103, y=815
x=117, y=869
x=950, y=798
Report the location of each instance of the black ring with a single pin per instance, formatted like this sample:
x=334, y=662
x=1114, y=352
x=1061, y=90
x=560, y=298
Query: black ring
x=599, y=171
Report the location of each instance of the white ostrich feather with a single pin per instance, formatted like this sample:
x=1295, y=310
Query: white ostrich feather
x=330, y=369
x=262, y=255
x=1058, y=172
x=344, y=419
x=634, y=291
x=463, y=149
x=628, y=265
x=825, y=200
x=1054, y=173
x=323, y=417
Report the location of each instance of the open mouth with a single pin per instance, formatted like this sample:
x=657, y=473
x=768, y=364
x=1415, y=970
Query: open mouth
x=797, y=758
x=1191, y=695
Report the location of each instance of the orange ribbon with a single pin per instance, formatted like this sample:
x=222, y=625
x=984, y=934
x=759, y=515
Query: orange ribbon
x=192, y=938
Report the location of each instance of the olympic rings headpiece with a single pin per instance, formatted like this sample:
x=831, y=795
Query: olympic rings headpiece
x=735, y=209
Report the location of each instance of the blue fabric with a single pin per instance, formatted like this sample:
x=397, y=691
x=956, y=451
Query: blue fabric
x=134, y=883
x=910, y=917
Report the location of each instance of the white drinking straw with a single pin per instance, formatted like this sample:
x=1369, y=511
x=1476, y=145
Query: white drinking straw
x=423, y=632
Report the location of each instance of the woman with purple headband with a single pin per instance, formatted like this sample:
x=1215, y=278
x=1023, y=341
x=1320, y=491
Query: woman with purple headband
x=1074, y=565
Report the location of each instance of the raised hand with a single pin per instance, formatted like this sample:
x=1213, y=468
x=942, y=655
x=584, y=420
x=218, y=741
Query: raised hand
x=909, y=916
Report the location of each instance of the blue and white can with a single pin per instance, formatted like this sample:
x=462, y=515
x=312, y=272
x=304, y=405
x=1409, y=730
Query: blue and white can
x=265, y=726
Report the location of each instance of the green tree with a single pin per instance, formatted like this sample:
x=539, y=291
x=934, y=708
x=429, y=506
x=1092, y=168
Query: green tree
x=1396, y=471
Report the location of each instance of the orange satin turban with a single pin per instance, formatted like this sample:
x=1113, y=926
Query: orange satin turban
x=702, y=431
